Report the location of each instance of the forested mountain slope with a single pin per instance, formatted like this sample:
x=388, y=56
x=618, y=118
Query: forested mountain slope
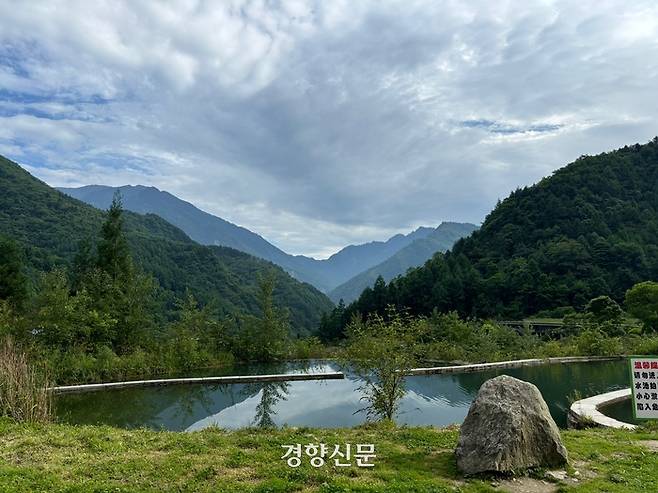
x=413, y=255
x=208, y=229
x=50, y=226
x=589, y=229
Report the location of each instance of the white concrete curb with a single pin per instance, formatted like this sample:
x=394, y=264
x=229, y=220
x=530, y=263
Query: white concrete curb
x=200, y=380
x=588, y=409
x=509, y=364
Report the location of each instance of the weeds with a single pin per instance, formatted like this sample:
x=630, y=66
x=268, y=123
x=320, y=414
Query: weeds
x=23, y=388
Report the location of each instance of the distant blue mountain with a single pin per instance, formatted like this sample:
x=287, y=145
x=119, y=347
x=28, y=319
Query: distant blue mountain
x=208, y=229
x=413, y=255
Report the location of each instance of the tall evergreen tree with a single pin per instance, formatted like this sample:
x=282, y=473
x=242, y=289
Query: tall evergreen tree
x=83, y=262
x=265, y=338
x=116, y=286
x=113, y=252
x=13, y=282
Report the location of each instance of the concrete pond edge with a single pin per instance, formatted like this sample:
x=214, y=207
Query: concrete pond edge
x=322, y=376
x=510, y=364
x=587, y=410
x=91, y=387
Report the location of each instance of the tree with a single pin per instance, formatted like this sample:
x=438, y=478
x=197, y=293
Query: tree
x=606, y=313
x=271, y=394
x=116, y=286
x=265, y=338
x=64, y=320
x=332, y=324
x=381, y=351
x=195, y=335
x=604, y=309
x=642, y=302
x=113, y=252
x=13, y=282
x=83, y=262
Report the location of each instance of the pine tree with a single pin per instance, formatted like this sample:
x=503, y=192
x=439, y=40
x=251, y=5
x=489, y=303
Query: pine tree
x=117, y=287
x=13, y=282
x=113, y=252
x=265, y=338
x=83, y=263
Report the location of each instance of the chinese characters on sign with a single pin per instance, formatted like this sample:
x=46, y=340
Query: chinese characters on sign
x=644, y=383
x=320, y=453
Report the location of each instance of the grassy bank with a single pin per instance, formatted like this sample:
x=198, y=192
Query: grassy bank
x=69, y=458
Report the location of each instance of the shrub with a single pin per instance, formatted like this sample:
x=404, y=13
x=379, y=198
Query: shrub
x=381, y=352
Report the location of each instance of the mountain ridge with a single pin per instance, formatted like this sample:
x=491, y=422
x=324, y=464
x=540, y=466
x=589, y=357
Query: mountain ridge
x=50, y=225
x=415, y=254
x=589, y=229
x=208, y=229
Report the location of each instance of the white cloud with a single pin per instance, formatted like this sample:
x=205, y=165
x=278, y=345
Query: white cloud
x=319, y=124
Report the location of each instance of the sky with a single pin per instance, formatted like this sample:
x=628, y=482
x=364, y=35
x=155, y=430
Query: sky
x=322, y=123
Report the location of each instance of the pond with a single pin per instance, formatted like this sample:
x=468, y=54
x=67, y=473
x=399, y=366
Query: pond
x=438, y=400
x=622, y=411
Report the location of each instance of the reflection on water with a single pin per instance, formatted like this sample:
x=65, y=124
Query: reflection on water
x=430, y=400
x=622, y=411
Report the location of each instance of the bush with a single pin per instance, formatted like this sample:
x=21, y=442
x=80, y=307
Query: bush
x=381, y=352
x=24, y=394
x=642, y=302
x=308, y=348
x=594, y=342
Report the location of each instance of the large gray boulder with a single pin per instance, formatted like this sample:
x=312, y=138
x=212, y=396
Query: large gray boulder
x=508, y=429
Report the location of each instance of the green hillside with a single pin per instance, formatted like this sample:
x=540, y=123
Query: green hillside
x=207, y=229
x=589, y=229
x=413, y=255
x=50, y=225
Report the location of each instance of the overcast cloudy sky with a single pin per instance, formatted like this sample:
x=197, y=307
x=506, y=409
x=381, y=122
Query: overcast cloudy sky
x=323, y=123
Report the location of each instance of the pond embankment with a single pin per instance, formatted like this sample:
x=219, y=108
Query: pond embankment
x=510, y=364
x=586, y=411
x=284, y=377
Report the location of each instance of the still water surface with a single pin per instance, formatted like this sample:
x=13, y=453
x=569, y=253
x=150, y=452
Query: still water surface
x=438, y=400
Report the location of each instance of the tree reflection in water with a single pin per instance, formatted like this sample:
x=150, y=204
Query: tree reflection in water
x=271, y=394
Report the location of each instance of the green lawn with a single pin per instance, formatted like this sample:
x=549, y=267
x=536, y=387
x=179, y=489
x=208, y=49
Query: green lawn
x=97, y=458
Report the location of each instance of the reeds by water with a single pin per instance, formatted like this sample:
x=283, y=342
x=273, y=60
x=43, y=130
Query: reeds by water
x=23, y=387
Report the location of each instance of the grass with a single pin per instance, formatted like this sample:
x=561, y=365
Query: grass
x=23, y=394
x=56, y=457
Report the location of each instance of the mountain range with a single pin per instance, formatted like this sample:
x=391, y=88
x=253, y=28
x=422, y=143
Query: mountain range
x=50, y=225
x=589, y=229
x=414, y=254
x=325, y=275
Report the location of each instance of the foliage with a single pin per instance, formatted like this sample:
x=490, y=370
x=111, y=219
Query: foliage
x=196, y=336
x=642, y=302
x=57, y=231
x=381, y=351
x=113, y=253
x=332, y=323
x=264, y=337
x=604, y=309
x=64, y=320
x=590, y=229
x=13, y=282
x=308, y=348
x=594, y=342
x=23, y=388
x=452, y=339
